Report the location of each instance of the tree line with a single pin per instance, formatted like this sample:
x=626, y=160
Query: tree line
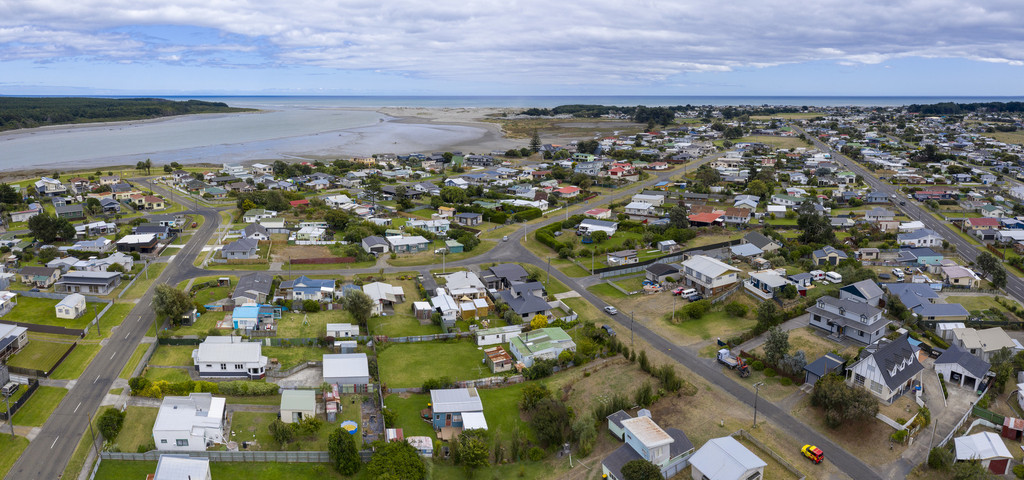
x=29, y=112
x=953, y=108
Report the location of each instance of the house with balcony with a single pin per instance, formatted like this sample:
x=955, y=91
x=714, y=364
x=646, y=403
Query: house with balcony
x=844, y=318
x=305, y=288
x=49, y=187
x=709, y=276
x=887, y=370
x=920, y=238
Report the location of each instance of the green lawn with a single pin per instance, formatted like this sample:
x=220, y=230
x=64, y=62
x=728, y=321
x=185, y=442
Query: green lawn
x=569, y=268
x=978, y=302
x=428, y=257
x=402, y=325
x=209, y=295
x=38, y=354
x=585, y=310
x=501, y=409
x=253, y=400
x=172, y=355
x=172, y=375
x=717, y=324
x=121, y=470
x=409, y=364
x=74, y=466
x=552, y=285
x=41, y=311
x=632, y=284
x=137, y=429
x=37, y=410
x=311, y=325
x=117, y=313
x=202, y=326
x=133, y=361
x=249, y=426
x=606, y=291
x=408, y=407
x=292, y=356
x=143, y=281
x=73, y=366
x=12, y=448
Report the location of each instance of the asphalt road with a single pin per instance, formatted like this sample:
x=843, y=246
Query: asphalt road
x=970, y=251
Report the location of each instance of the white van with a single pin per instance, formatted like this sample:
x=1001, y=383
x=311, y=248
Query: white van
x=834, y=277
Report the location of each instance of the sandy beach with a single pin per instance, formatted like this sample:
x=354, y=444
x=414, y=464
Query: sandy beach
x=285, y=134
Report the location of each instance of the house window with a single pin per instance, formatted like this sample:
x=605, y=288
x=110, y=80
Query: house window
x=181, y=442
x=876, y=387
x=209, y=365
x=223, y=366
x=163, y=440
x=239, y=366
x=859, y=379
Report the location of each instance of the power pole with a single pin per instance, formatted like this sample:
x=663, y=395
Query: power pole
x=631, y=328
x=10, y=421
x=757, y=393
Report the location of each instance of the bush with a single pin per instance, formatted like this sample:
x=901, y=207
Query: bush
x=899, y=436
x=535, y=454
x=757, y=365
x=247, y=388
x=940, y=458
x=311, y=306
x=1018, y=471
x=139, y=385
x=769, y=372
x=698, y=309
x=785, y=381
x=437, y=384
x=110, y=423
x=736, y=309
x=942, y=381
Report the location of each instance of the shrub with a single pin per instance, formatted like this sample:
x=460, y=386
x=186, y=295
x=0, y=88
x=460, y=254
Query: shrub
x=139, y=385
x=785, y=381
x=736, y=309
x=1018, y=471
x=899, y=436
x=311, y=306
x=757, y=365
x=940, y=458
x=247, y=388
x=110, y=423
x=698, y=309
x=942, y=381
x=769, y=372
x=535, y=454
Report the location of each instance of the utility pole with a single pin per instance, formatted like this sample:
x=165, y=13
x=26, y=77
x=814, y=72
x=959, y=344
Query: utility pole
x=757, y=393
x=548, y=282
x=10, y=421
x=630, y=328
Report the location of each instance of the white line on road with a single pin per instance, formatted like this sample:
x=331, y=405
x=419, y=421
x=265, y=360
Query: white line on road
x=126, y=335
x=112, y=355
x=139, y=318
x=97, y=379
x=54, y=442
x=76, y=408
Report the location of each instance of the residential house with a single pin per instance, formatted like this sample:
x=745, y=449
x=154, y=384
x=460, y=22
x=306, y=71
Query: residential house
x=251, y=317
x=589, y=225
x=787, y=200
x=845, y=318
x=161, y=232
x=986, y=448
x=70, y=212
x=437, y=227
x=761, y=241
x=736, y=216
x=957, y=276
x=257, y=214
x=260, y=169
x=241, y=249
x=643, y=439
x=709, y=276
x=503, y=276
x=982, y=223
x=64, y=264
x=337, y=201
x=599, y=213
x=305, y=288
x=541, y=344
x=766, y=284
x=958, y=367
x=383, y=295
x=465, y=285
x=824, y=365
x=524, y=303
x=229, y=357
x=71, y=306
x=887, y=370
x=49, y=187
x=12, y=339
x=23, y=216
x=411, y=244
x=876, y=197
x=375, y=244
x=93, y=283
x=152, y=202
x=8, y=300
x=879, y=214
x=297, y=405
x=193, y=423
x=661, y=272
x=726, y=459
x=41, y=277
x=497, y=335
x=920, y=238
x=622, y=257
x=456, y=409
x=349, y=371
x=252, y=288
x=100, y=245
x=864, y=291
x=137, y=243
x=828, y=255
x=984, y=343
x=469, y=219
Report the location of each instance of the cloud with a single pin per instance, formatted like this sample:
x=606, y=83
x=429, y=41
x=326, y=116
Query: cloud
x=595, y=42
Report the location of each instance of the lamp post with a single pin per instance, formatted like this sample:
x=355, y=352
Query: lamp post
x=757, y=392
x=7, y=401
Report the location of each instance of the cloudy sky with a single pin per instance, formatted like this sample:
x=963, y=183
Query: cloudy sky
x=512, y=47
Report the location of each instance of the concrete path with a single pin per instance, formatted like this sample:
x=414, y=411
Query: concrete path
x=569, y=294
x=49, y=382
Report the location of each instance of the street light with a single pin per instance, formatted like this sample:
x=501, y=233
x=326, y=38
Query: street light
x=757, y=392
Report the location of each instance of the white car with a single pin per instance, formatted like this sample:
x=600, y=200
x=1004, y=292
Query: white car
x=611, y=310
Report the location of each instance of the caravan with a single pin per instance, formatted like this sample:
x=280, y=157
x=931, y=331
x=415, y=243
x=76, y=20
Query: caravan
x=834, y=277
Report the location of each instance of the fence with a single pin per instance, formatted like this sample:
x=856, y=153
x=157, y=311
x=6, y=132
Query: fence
x=33, y=385
x=726, y=294
x=186, y=340
x=291, y=371
x=42, y=373
x=316, y=242
x=321, y=260
x=491, y=382
x=215, y=456
x=129, y=286
x=425, y=338
x=771, y=453
x=51, y=329
x=144, y=360
x=987, y=415
x=672, y=257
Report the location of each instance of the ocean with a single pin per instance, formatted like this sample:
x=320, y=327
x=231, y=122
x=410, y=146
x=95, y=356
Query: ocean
x=298, y=127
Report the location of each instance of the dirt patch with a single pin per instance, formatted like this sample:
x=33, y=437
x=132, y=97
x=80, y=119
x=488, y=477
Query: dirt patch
x=284, y=254
x=618, y=376
x=868, y=440
x=903, y=408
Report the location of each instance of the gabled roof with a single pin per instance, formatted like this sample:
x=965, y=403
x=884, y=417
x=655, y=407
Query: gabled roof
x=897, y=361
x=241, y=245
x=918, y=234
x=662, y=269
x=957, y=355
x=708, y=266
x=758, y=239
x=255, y=282
x=981, y=446
x=725, y=458
x=866, y=289
x=455, y=400
x=829, y=250
x=824, y=364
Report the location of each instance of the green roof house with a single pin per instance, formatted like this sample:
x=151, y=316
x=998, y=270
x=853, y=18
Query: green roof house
x=541, y=344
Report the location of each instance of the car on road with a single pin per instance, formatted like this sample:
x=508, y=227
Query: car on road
x=610, y=310
x=903, y=202
x=505, y=238
x=608, y=330
x=194, y=224
x=813, y=453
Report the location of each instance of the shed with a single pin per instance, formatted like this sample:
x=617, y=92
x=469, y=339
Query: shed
x=985, y=447
x=826, y=364
x=342, y=330
x=453, y=246
x=297, y=405
x=1013, y=428
x=422, y=310
x=726, y=459
x=615, y=423
x=71, y=306
x=350, y=371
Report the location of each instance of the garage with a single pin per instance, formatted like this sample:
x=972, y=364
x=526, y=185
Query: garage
x=961, y=368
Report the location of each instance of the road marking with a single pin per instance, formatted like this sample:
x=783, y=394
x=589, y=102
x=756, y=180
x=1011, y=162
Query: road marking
x=97, y=379
x=139, y=318
x=112, y=355
x=76, y=408
x=54, y=442
x=126, y=335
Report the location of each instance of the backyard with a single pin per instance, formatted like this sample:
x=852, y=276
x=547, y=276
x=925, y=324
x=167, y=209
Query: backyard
x=37, y=409
x=409, y=364
x=206, y=294
x=138, y=428
x=121, y=470
x=38, y=354
x=289, y=357
x=428, y=257
x=172, y=355
x=41, y=311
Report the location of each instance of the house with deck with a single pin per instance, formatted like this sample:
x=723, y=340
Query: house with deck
x=229, y=357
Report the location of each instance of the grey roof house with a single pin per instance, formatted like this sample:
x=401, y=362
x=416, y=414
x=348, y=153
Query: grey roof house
x=241, y=249
x=252, y=288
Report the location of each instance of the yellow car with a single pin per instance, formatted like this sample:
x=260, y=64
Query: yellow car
x=813, y=453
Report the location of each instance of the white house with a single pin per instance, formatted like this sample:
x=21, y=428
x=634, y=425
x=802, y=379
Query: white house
x=342, y=330
x=498, y=335
x=229, y=357
x=888, y=370
x=72, y=306
x=383, y=294
x=726, y=459
x=645, y=440
x=349, y=371
x=190, y=423
x=920, y=238
x=959, y=367
x=543, y=343
x=591, y=225
x=708, y=275
x=7, y=302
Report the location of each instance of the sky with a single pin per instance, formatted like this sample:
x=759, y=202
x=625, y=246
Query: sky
x=512, y=47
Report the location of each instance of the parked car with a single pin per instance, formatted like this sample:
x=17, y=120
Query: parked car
x=440, y=251
x=558, y=233
x=608, y=330
x=813, y=453
x=884, y=276
x=695, y=297
x=610, y=310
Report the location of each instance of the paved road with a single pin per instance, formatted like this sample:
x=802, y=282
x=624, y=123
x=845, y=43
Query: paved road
x=47, y=455
x=970, y=251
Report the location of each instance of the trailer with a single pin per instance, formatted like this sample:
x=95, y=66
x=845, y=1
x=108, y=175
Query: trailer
x=725, y=357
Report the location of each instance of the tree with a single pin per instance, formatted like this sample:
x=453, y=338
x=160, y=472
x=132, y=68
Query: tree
x=359, y=304
x=171, y=302
x=168, y=169
x=110, y=423
x=535, y=141
x=776, y=345
x=766, y=315
x=532, y=394
x=539, y=321
x=341, y=448
x=282, y=432
x=758, y=187
x=471, y=449
x=47, y=228
x=599, y=236
x=989, y=265
x=815, y=228
x=841, y=402
x=679, y=217
x=453, y=195
x=8, y=194
x=707, y=175
x=397, y=459
x=640, y=469
x=550, y=420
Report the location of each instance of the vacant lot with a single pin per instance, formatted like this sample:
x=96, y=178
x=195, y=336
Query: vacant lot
x=812, y=344
x=38, y=354
x=289, y=357
x=866, y=440
x=73, y=366
x=409, y=364
x=37, y=410
x=171, y=375
x=120, y=470
x=172, y=355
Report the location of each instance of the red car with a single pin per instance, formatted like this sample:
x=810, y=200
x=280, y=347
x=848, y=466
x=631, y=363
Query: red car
x=678, y=291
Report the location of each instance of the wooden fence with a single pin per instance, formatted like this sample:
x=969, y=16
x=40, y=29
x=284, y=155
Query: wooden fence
x=321, y=260
x=33, y=385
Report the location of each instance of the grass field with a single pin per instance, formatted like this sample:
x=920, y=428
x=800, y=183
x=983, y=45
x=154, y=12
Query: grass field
x=172, y=375
x=114, y=316
x=12, y=448
x=401, y=326
x=292, y=356
x=121, y=470
x=201, y=326
x=249, y=426
x=38, y=354
x=145, y=281
x=409, y=364
x=37, y=410
x=428, y=257
x=40, y=311
x=133, y=361
x=408, y=407
x=73, y=366
x=137, y=429
x=716, y=325
x=978, y=302
x=172, y=356
x=788, y=116
x=207, y=295
x=606, y=291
